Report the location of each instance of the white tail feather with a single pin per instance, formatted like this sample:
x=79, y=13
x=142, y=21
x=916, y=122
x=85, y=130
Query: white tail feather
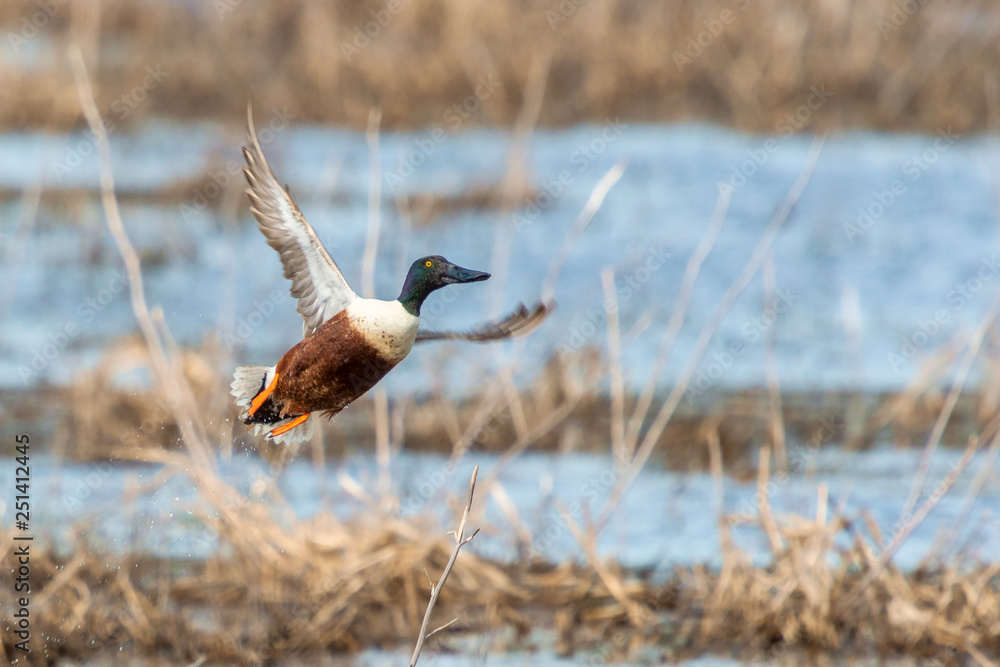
x=298, y=434
x=247, y=383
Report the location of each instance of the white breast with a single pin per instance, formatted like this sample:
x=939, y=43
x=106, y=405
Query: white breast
x=386, y=325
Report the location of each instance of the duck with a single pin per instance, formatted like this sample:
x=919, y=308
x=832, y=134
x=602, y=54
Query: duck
x=349, y=343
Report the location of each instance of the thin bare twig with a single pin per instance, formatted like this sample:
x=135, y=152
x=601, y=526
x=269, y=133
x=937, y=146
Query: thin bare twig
x=442, y=627
x=460, y=541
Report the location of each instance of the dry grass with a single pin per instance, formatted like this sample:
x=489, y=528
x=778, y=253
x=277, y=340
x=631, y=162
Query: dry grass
x=818, y=596
x=280, y=588
x=607, y=58
x=100, y=407
x=424, y=209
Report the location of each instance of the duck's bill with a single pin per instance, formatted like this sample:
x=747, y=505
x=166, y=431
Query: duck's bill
x=456, y=274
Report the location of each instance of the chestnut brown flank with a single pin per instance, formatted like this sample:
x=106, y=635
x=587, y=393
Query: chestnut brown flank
x=327, y=371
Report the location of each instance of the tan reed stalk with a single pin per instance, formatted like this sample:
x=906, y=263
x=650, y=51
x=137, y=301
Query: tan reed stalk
x=711, y=430
x=370, y=253
x=615, y=367
x=764, y=501
x=942, y=489
x=850, y=315
x=507, y=506
x=514, y=402
x=493, y=395
x=383, y=455
x=580, y=225
x=776, y=417
x=515, y=181
x=985, y=470
x=956, y=389
x=186, y=411
x=544, y=427
x=587, y=541
x=705, y=336
x=677, y=316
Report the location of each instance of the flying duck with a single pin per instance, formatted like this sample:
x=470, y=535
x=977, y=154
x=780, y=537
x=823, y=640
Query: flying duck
x=348, y=342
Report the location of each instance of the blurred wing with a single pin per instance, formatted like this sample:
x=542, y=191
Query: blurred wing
x=316, y=281
x=519, y=323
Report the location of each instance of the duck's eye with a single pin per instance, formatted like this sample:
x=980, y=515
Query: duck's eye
x=428, y=263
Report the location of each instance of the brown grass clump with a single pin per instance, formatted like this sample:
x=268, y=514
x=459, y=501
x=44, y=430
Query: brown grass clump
x=455, y=64
x=910, y=414
x=279, y=588
x=818, y=596
x=427, y=208
x=111, y=411
x=562, y=411
x=804, y=602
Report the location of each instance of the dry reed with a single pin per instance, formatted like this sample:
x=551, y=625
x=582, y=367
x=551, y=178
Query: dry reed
x=278, y=587
x=746, y=64
x=100, y=415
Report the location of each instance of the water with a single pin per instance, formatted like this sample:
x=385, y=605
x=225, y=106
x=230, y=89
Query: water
x=922, y=266
x=665, y=520
x=376, y=658
x=895, y=234
x=661, y=523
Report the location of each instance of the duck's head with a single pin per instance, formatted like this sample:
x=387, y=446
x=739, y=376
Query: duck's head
x=430, y=273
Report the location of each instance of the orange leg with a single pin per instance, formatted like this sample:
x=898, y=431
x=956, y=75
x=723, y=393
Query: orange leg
x=289, y=426
x=262, y=396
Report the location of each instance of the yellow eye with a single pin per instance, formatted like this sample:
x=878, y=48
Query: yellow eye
x=428, y=263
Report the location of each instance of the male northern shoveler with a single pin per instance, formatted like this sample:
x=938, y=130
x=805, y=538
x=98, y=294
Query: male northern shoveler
x=349, y=343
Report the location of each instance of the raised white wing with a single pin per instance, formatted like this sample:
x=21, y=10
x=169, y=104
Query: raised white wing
x=317, y=283
x=519, y=323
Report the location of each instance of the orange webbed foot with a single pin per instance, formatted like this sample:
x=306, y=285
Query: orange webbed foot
x=262, y=396
x=289, y=426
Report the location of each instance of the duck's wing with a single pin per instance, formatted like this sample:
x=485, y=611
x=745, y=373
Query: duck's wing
x=519, y=323
x=317, y=283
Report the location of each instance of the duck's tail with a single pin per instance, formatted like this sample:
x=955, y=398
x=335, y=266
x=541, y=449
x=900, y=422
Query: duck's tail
x=248, y=383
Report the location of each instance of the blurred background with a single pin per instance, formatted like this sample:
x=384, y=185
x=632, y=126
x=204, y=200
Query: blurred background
x=761, y=421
